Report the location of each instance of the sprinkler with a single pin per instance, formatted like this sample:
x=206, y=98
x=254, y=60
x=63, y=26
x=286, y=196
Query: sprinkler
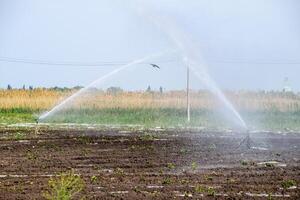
x=247, y=141
x=37, y=125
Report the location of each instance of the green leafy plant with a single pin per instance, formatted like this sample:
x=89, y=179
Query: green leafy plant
x=167, y=181
x=94, y=179
x=244, y=163
x=19, y=136
x=211, y=191
x=194, y=166
x=148, y=137
x=64, y=187
x=171, y=165
x=205, y=190
x=119, y=172
x=288, y=183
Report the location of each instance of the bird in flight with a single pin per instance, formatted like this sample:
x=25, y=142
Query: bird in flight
x=155, y=66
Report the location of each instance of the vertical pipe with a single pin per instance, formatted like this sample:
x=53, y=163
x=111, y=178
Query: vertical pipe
x=188, y=94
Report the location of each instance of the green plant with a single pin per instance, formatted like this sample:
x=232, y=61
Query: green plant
x=187, y=194
x=148, y=137
x=119, y=172
x=207, y=190
x=167, y=181
x=171, y=165
x=64, y=187
x=200, y=189
x=183, y=151
x=31, y=155
x=211, y=191
x=19, y=136
x=208, y=178
x=194, y=166
x=288, y=183
x=244, y=163
x=270, y=196
x=184, y=181
x=94, y=179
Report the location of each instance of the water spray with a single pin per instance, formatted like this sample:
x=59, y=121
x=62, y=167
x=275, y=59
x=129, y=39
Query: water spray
x=189, y=52
x=100, y=80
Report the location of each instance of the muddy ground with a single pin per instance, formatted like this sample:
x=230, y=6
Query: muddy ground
x=151, y=164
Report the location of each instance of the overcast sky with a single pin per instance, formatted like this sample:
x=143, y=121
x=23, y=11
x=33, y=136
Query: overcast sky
x=247, y=44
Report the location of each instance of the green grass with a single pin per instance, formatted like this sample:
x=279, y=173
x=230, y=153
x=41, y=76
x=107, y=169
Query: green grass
x=165, y=117
x=146, y=117
x=273, y=120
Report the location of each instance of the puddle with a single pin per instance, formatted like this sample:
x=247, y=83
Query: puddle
x=154, y=187
x=119, y=192
x=266, y=195
x=273, y=163
x=260, y=148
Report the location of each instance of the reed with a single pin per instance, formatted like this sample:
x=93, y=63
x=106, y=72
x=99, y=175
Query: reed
x=43, y=99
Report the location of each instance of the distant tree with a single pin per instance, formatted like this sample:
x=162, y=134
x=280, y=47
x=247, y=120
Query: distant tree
x=148, y=89
x=24, y=87
x=77, y=87
x=30, y=88
x=160, y=89
x=114, y=90
x=9, y=87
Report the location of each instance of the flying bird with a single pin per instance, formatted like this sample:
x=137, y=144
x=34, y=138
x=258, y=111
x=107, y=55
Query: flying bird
x=155, y=66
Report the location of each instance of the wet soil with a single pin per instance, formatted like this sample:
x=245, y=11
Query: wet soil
x=151, y=164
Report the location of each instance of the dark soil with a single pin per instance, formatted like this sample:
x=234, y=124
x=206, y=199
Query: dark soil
x=150, y=164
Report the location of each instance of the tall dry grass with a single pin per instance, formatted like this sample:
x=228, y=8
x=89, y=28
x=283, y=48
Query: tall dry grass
x=44, y=99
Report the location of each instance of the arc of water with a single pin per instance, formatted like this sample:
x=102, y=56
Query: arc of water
x=211, y=84
x=188, y=51
x=101, y=79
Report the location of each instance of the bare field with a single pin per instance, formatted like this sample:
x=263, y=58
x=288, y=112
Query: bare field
x=118, y=164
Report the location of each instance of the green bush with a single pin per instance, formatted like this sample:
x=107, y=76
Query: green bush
x=64, y=187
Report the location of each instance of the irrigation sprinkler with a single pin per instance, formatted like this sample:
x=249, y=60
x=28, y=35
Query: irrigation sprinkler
x=36, y=125
x=247, y=141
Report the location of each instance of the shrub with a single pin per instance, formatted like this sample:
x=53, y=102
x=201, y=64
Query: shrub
x=64, y=187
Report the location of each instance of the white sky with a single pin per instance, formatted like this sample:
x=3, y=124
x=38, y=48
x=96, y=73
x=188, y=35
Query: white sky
x=248, y=44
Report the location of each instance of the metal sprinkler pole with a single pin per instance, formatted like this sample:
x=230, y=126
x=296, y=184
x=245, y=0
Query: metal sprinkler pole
x=188, y=94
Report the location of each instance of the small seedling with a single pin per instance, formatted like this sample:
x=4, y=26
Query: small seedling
x=64, y=187
x=244, y=163
x=119, y=172
x=184, y=181
x=194, y=166
x=187, y=194
x=167, y=181
x=212, y=147
x=208, y=190
x=200, y=189
x=183, y=151
x=147, y=137
x=211, y=191
x=19, y=136
x=171, y=165
x=270, y=196
x=94, y=179
x=208, y=178
x=31, y=156
x=288, y=183
x=136, y=189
